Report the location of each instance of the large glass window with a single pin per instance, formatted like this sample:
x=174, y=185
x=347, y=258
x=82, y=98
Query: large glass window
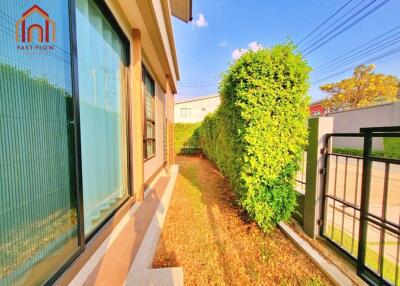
x=150, y=123
x=102, y=73
x=38, y=203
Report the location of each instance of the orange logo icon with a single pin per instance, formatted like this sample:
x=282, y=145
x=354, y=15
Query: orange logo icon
x=43, y=32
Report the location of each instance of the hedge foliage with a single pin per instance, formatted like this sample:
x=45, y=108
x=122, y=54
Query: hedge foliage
x=257, y=136
x=187, y=138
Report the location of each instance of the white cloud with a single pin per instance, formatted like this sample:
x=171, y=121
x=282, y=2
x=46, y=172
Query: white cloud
x=201, y=21
x=223, y=44
x=252, y=46
x=237, y=53
x=255, y=46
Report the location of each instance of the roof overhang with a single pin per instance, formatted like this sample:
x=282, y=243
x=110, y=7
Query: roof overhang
x=182, y=9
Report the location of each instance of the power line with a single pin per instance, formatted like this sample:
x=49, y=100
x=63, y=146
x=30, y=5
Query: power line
x=358, y=55
x=312, y=40
x=369, y=53
x=350, y=25
x=324, y=22
x=373, y=59
x=344, y=55
x=199, y=84
x=318, y=11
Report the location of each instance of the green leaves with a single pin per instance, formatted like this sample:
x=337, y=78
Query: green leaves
x=258, y=134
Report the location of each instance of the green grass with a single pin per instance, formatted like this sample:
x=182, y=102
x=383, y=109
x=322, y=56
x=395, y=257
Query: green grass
x=391, y=148
x=186, y=138
x=372, y=257
x=357, y=152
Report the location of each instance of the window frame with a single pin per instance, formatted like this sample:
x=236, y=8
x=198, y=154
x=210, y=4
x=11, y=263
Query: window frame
x=147, y=76
x=186, y=112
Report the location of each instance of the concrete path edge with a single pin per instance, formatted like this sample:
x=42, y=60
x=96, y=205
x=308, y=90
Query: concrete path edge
x=334, y=274
x=141, y=272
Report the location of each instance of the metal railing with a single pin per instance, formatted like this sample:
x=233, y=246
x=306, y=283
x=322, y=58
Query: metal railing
x=362, y=207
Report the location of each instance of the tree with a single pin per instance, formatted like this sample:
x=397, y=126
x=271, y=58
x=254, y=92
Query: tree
x=364, y=88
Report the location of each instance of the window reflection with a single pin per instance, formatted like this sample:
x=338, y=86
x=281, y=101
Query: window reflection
x=38, y=215
x=102, y=89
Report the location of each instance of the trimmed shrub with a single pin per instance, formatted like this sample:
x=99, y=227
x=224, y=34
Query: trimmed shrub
x=187, y=138
x=258, y=134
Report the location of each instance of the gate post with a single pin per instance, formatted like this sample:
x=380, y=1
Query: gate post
x=318, y=127
x=365, y=193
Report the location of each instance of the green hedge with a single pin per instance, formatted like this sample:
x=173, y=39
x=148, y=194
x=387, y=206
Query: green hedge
x=187, y=138
x=257, y=136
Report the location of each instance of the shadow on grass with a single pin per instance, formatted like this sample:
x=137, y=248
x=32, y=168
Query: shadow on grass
x=216, y=193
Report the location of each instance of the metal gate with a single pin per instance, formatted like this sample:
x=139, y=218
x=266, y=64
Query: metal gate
x=361, y=214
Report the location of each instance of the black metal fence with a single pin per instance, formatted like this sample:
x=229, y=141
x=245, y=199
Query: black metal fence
x=362, y=207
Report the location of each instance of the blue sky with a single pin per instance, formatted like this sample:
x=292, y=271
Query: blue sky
x=205, y=46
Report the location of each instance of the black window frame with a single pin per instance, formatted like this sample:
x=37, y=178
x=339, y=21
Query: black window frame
x=84, y=240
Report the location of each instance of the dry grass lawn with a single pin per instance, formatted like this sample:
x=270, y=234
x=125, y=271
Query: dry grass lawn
x=210, y=237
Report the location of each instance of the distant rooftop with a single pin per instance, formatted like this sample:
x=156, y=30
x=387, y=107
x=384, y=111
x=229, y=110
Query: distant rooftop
x=196, y=98
x=315, y=102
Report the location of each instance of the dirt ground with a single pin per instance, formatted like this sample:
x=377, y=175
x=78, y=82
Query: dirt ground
x=212, y=239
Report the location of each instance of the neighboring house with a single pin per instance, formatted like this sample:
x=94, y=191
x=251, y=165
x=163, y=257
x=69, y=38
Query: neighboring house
x=86, y=112
x=194, y=109
x=316, y=108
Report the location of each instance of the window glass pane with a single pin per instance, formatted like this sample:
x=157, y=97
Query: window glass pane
x=150, y=148
x=149, y=106
x=150, y=129
x=38, y=215
x=104, y=151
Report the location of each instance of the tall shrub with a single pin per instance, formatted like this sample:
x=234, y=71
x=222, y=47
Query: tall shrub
x=258, y=134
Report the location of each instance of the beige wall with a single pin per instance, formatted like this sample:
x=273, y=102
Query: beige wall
x=352, y=120
x=157, y=50
x=152, y=165
x=198, y=109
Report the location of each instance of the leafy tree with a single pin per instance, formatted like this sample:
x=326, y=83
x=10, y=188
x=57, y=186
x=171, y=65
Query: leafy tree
x=364, y=88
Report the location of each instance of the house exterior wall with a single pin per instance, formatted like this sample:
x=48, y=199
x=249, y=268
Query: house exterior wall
x=195, y=110
x=351, y=121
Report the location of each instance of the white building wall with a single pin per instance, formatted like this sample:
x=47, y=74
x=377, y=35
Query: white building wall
x=195, y=110
x=352, y=120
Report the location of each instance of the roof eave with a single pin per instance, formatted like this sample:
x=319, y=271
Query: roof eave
x=182, y=9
